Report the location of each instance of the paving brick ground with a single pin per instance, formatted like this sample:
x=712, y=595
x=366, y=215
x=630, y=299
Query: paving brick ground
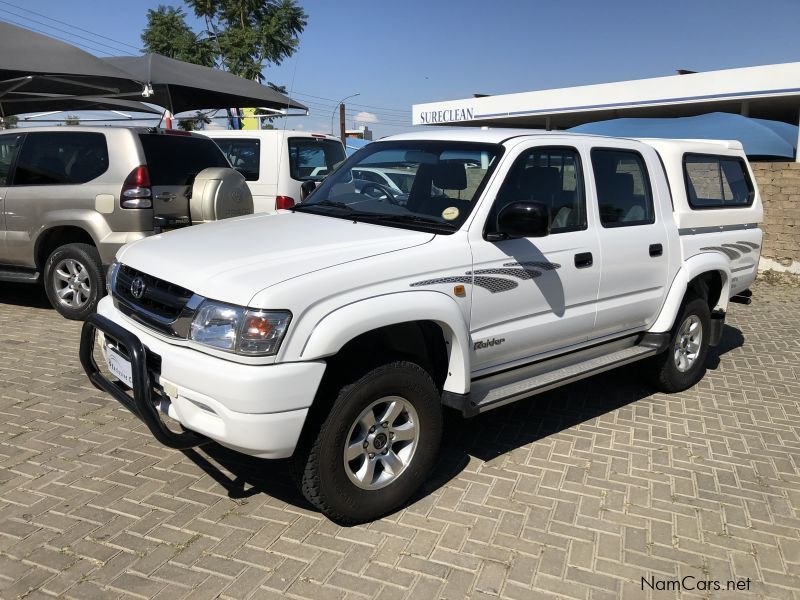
x=578, y=493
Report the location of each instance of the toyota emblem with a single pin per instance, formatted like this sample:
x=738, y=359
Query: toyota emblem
x=138, y=287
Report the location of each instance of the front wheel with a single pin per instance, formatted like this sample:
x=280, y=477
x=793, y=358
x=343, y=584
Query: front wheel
x=73, y=280
x=683, y=364
x=376, y=446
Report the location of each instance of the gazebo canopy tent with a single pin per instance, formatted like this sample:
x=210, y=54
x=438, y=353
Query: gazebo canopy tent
x=34, y=64
x=180, y=86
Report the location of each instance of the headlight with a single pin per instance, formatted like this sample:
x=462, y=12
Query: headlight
x=240, y=330
x=110, y=274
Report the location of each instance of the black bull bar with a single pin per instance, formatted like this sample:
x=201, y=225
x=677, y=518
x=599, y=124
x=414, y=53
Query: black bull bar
x=141, y=403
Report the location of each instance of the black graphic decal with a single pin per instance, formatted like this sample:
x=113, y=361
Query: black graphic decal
x=493, y=284
x=519, y=273
x=729, y=252
x=496, y=284
x=739, y=247
x=545, y=266
x=751, y=244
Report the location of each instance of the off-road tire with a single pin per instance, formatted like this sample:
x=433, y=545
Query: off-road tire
x=319, y=462
x=665, y=373
x=89, y=259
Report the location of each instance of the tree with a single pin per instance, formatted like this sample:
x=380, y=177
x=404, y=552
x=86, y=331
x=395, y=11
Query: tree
x=9, y=122
x=168, y=34
x=240, y=36
x=194, y=123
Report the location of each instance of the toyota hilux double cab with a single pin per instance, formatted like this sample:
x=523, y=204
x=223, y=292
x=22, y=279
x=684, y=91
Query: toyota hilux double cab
x=335, y=333
x=70, y=197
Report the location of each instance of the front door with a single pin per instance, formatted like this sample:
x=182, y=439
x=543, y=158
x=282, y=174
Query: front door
x=532, y=296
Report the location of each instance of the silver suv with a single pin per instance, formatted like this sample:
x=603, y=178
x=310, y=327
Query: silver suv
x=71, y=197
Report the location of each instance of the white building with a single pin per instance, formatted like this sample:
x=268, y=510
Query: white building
x=767, y=92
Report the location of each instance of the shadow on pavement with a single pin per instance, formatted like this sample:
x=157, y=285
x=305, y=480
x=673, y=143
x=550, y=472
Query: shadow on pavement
x=484, y=437
x=24, y=294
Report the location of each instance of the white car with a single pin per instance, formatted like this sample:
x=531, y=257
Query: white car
x=335, y=333
x=276, y=163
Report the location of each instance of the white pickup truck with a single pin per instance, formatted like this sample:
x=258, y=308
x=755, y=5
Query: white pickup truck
x=335, y=332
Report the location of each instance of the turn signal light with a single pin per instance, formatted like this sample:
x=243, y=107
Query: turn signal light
x=283, y=202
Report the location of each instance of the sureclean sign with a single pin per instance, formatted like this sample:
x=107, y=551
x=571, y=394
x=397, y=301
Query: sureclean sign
x=446, y=115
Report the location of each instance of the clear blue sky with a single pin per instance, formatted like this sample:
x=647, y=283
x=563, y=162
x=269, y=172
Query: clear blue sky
x=397, y=53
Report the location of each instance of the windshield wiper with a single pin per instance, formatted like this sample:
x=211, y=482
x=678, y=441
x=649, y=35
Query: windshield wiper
x=410, y=219
x=329, y=203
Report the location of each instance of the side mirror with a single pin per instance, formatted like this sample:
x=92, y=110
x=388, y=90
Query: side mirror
x=307, y=187
x=523, y=219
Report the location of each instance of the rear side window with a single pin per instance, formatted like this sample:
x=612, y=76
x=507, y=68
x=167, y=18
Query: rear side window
x=623, y=188
x=176, y=160
x=313, y=158
x=244, y=155
x=717, y=181
x=56, y=158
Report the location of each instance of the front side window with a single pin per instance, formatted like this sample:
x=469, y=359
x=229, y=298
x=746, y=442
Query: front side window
x=55, y=158
x=8, y=145
x=552, y=177
x=623, y=188
x=443, y=182
x=311, y=159
x=244, y=155
x=717, y=181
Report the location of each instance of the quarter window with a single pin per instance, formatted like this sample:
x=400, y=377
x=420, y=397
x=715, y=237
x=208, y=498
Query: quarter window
x=717, y=182
x=623, y=188
x=57, y=158
x=244, y=155
x=549, y=176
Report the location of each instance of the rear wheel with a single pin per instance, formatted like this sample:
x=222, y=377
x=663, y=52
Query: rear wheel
x=682, y=365
x=73, y=280
x=375, y=447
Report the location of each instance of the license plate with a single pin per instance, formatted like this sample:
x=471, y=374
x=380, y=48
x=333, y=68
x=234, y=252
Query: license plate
x=119, y=366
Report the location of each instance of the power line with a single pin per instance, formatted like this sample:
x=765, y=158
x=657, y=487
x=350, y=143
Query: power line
x=33, y=12
x=66, y=32
x=353, y=103
x=83, y=46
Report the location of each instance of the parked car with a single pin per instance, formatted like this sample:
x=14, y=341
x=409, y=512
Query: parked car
x=276, y=163
x=71, y=197
x=336, y=332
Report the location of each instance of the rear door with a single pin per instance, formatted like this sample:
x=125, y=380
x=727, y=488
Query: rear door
x=633, y=239
x=173, y=161
x=52, y=176
x=244, y=154
x=8, y=149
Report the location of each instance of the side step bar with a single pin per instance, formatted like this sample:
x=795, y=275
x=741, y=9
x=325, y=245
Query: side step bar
x=503, y=388
x=19, y=275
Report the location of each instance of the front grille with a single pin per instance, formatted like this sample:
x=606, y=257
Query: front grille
x=161, y=298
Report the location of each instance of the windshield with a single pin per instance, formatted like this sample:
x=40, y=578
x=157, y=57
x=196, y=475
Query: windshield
x=311, y=159
x=415, y=184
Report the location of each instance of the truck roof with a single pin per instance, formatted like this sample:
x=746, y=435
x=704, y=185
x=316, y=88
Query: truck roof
x=499, y=135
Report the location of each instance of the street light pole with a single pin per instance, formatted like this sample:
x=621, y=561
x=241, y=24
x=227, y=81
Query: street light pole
x=340, y=103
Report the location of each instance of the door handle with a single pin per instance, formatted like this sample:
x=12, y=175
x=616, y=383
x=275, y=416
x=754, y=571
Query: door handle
x=584, y=260
x=166, y=196
x=656, y=250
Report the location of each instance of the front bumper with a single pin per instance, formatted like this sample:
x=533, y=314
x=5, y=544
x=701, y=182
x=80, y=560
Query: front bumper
x=256, y=409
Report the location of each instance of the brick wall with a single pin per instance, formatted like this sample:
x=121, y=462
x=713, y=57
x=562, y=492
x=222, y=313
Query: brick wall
x=779, y=184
